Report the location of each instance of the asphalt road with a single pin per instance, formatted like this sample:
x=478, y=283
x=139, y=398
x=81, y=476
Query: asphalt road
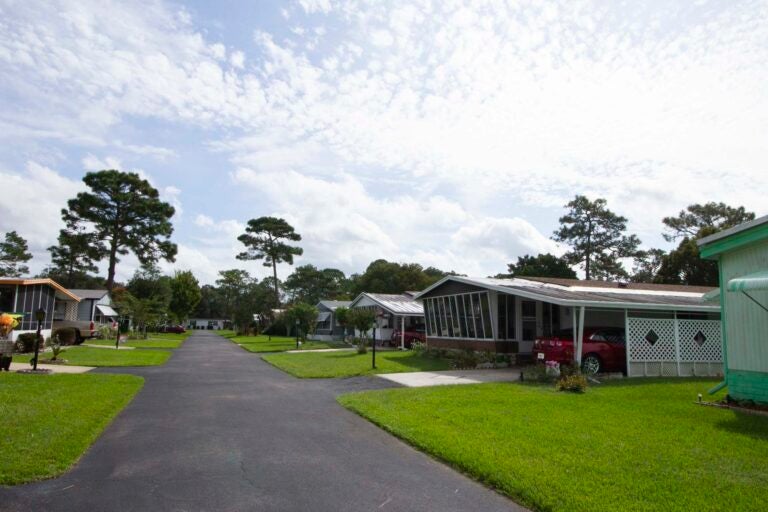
x=218, y=429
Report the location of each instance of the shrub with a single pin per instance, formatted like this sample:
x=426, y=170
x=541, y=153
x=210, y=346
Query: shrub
x=465, y=359
x=576, y=383
x=106, y=332
x=536, y=373
x=419, y=348
x=66, y=335
x=361, y=344
x=25, y=343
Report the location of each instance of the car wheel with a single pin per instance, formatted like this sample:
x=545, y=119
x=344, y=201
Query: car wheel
x=591, y=364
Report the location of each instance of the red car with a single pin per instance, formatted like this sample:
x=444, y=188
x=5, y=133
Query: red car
x=417, y=333
x=604, y=349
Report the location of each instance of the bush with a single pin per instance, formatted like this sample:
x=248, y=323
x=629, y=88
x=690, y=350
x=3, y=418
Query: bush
x=361, y=344
x=419, y=348
x=536, y=373
x=576, y=383
x=66, y=335
x=25, y=343
x=465, y=359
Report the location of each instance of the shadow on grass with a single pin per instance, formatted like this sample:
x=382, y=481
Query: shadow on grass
x=745, y=424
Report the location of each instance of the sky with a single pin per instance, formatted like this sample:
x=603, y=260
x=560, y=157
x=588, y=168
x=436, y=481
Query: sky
x=448, y=133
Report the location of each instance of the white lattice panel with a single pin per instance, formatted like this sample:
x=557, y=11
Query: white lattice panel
x=651, y=339
x=700, y=341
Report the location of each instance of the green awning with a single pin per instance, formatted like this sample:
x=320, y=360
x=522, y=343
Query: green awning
x=712, y=296
x=756, y=281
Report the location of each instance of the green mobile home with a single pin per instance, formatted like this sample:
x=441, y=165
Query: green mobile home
x=742, y=256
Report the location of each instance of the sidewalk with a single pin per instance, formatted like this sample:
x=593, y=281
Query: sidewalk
x=445, y=378
x=55, y=368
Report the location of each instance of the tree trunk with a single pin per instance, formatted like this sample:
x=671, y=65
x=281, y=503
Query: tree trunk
x=277, y=290
x=112, y=265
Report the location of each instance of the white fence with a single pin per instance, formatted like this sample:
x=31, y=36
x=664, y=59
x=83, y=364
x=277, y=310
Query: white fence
x=666, y=347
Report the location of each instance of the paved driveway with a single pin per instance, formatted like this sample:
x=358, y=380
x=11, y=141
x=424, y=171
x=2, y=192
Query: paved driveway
x=218, y=429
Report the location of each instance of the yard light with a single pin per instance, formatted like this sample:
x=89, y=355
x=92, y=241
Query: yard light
x=40, y=317
x=298, y=323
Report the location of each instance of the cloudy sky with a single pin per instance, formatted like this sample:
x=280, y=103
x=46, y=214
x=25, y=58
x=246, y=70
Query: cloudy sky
x=448, y=133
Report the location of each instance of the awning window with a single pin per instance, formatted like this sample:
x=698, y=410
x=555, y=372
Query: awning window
x=751, y=282
x=106, y=310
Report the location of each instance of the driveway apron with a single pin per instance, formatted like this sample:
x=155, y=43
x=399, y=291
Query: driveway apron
x=219, y=429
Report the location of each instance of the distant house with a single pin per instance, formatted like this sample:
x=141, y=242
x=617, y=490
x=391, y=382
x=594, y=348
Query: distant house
x=207, y=324
x=327, y=328
x=742, y=256
x=669, y=329
x=95, y=306
x=393, y=311
x=25, y=296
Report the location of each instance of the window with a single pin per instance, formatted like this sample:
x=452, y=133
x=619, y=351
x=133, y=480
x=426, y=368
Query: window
x=456, y=318
x=462, y=314
x=501, y=306
x=448, y=315
x=528, y=309
x=486, y=312
x=470, y=317
x=7, y=294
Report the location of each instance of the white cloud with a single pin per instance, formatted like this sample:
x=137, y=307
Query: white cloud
x=237, y=59
x=93, y=163
x=345, y=225
x=31, y=205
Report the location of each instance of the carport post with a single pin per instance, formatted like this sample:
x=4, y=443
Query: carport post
x=580, y=335
x=626, y=338
x=402, y=332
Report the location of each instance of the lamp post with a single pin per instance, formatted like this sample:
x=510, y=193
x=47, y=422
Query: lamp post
x=39, y=316
x=298, y=323
x=382, y=315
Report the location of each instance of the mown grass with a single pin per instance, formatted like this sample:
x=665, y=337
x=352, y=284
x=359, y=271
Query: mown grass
x=150, y=342
x=263, y=343
x=48, y=421
x=630, y=445
x=350, y=363
x=92, y=356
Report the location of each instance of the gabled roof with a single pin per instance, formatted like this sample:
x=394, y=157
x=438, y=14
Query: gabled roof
x=567, y=292
x=403, y=304
x=89, y=294
x=44, y=280
x=333, y=304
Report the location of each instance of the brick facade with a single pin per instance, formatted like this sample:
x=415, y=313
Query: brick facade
x=501, y=347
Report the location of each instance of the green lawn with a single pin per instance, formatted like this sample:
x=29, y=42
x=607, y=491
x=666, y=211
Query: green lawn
x=629, y=445
x=150, y=342
x=49, y=421
x=348, y=364
x=262, y=343
x=91, y=356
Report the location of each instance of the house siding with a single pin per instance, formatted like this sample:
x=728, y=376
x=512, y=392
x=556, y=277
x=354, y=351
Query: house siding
x=503, y=347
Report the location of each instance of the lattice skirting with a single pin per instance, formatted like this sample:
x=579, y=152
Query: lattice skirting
x=664, y=347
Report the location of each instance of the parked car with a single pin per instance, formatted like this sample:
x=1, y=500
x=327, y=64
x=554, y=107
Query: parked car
x=604, y=349
x=415, y=333
x=84, y=329
x=175, y=329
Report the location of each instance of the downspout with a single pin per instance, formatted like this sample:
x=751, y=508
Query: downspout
x=723, y=327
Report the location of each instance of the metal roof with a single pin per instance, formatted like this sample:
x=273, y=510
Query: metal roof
x=89, y=294
x=333, y=304
x=403, y=305
x=579, y=294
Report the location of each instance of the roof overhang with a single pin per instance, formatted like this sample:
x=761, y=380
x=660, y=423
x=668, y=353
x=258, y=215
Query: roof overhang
x=60, y=290
x=383, y=306
x=710, y=247
x=531, y=294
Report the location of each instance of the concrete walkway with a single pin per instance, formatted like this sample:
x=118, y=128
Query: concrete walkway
x=445, y=378
x=217, y=428
x=112, y=347
x=55, y=368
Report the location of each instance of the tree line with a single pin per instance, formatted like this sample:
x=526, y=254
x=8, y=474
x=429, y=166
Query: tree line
x=122, y=213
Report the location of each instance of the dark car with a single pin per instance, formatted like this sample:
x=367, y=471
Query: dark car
x=175, y=329
x=603, y=350
x=415, y=333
